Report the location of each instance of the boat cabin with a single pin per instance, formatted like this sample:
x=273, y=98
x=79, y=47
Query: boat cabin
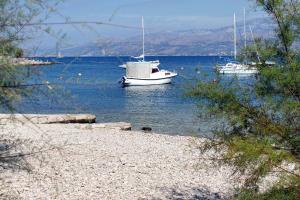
x=138, y=69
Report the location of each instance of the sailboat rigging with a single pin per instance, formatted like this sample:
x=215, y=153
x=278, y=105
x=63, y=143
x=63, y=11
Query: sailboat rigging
x=235, y=67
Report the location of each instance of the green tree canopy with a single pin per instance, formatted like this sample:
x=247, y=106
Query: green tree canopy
x=262, y=128
x=15, y=15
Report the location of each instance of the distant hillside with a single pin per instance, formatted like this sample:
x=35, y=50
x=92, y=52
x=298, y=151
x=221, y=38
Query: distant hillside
x=185, y=42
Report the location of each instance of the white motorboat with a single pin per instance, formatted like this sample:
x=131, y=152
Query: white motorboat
x=142, y=73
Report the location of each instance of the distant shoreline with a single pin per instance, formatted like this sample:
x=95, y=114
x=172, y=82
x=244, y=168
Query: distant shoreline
x=30, y=62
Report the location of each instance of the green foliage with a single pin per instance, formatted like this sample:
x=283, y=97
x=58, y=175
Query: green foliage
x=262, y=128
x=11, y=80
x=19, y=53
x=10, y=49
x=14, y=15
x=273, y=194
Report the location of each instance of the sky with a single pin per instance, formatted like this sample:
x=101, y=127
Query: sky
x=159, y=15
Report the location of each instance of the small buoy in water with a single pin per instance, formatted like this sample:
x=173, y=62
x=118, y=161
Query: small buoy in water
x=198, y=72
x=79, y=74
x=182, y=68
x=147, y=129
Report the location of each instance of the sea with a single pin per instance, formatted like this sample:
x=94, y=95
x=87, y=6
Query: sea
x=91, y=85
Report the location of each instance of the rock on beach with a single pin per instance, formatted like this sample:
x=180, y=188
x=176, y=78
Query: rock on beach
x=47, y=119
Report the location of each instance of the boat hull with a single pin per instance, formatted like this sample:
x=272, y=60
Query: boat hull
x=248, y=71
x=233, y=68
x=143, y=82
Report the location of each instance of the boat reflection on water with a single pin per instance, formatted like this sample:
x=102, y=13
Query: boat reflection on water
x=149, y=88
x=141, y=107
x=239, y=76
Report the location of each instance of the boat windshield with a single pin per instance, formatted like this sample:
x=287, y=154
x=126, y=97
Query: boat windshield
x=155, y=70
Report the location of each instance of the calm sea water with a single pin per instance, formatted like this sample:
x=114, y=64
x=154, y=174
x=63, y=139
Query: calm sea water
x=90, y=85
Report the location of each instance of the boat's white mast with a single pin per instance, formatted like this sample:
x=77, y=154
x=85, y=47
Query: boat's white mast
x=245, y=34
x=254, y=43
x=234, y=27
x=143, y=27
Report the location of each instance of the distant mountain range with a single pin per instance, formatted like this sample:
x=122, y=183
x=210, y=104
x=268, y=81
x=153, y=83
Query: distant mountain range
x=217, y=41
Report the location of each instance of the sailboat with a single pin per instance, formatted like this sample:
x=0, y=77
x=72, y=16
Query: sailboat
x=267, y=62
x=235, y=67
x=58, y=53
x=141, y=72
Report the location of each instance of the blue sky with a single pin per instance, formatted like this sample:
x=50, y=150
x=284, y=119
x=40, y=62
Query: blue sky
x=160, y=15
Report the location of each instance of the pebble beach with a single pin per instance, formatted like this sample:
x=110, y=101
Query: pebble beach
x=103, y=161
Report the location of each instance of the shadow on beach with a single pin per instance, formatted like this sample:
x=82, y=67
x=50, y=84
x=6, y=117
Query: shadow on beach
x=188, y=194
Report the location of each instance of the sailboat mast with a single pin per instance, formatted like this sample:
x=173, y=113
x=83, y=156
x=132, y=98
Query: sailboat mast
x=234, y=27
x=143, y=27
x=254, y=43
x=57, y=49
x=245, y=34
